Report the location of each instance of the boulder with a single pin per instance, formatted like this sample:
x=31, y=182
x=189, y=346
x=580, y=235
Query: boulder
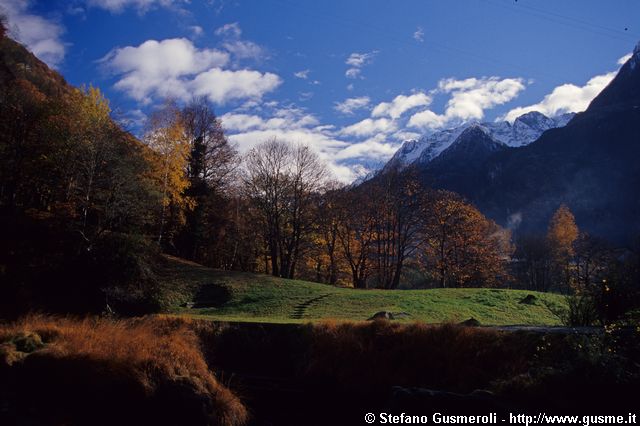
x=471, y=322
x=382, y=315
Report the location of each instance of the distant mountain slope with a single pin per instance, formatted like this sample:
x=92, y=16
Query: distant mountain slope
x=524, y=130
x=592, y=164
x=464, y=158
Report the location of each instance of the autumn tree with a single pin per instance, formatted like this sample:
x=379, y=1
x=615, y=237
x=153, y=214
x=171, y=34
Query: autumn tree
x=534, y=262
x=592, y=258
x=461, y=245
x=24, y=111
x=561, y=236
x=397, y=199
x=326, y=221
x=210, y=167
x=356, y=232
x=166, y=136
x=281, y=179
x=72, y=183
x=95, y=147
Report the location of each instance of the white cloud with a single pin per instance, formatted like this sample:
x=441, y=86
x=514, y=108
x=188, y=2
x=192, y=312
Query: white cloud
x=368, y=127
x=243, y=49
x=418, y=35
x=135, y=118
x=304, y=74
x=469, y=100
x=372, y=148
x=472, y=96
x=240, y=49
x=280, y=118
x=241, y=122
x=176, y=68
x=42, y=36
x=400, y=105
x=352, y=72
x=427, y=119
x=348, y=106
x=358, y=60
x=229, y=30
x=625, y=58
x=165, y=59
x=221, y=86
x=305, y=96
x=565, y=98
x=248, y=130
x=569, y=97
x=343, y=158
x=116, y=6
x=196, y=30
x=405, y=135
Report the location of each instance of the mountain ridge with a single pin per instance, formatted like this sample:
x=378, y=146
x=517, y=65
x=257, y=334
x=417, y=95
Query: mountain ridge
x=524, y=130
x=590, y=164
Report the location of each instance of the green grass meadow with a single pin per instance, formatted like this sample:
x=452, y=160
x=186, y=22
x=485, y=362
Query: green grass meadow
x=235, y=296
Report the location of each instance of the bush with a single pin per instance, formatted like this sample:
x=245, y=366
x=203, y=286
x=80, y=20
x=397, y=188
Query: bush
x=581, y=311
x=123, y=267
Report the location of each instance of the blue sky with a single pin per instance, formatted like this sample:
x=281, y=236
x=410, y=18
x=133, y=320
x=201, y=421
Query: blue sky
x=350, y=78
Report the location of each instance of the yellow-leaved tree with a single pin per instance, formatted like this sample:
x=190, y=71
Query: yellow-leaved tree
x=167, y=137
x=561, y=236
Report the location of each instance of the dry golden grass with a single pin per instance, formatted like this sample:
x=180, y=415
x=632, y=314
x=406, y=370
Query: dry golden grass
x=382, y=353
x=99, y=370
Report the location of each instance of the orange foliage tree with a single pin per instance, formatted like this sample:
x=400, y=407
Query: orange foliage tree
x=561, y=236
x=463, y=247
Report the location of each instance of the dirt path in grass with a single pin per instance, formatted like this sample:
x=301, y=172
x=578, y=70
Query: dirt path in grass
x=301, y=309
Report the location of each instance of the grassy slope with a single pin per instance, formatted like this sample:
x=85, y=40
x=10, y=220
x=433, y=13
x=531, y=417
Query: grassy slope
x=262, y=298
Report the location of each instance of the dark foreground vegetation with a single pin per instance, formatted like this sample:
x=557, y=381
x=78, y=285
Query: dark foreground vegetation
x=163, y=370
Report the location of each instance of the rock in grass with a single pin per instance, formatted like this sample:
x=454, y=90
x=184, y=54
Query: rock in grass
x=529, y=299
x=382, y=315
x=27, y=342
x=471, y=322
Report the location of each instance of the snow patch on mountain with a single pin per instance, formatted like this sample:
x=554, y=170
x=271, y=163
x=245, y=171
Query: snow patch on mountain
x=524, y=130
x=635, y=58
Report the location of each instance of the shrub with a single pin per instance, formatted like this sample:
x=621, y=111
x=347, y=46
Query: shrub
x=123, y=268
x=581, y=311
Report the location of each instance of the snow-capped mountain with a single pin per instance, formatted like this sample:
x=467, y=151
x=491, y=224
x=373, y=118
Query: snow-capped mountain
x=590, y=164
x=524, y=130
x=474, y=143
